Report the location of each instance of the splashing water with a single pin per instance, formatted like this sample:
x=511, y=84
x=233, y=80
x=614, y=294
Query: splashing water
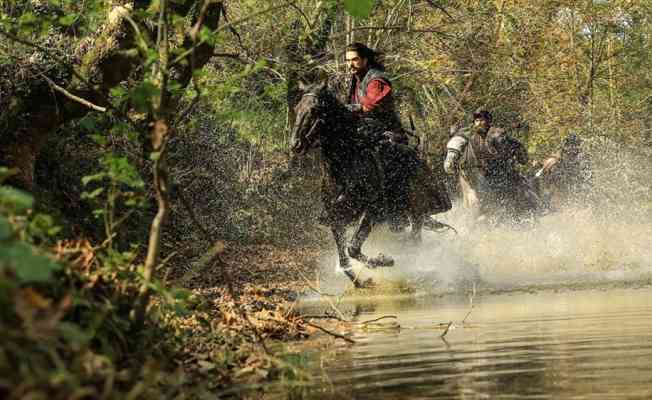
x=606, y=241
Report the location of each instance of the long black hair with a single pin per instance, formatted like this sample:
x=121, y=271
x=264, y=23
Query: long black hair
x=373, y=57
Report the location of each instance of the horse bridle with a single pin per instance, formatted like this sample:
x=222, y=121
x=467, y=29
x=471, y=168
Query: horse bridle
x=312, y=130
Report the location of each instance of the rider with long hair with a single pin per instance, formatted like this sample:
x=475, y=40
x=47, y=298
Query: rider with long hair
x=370, y=98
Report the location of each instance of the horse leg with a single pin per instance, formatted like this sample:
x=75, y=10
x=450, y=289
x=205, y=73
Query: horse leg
x=360, y=236
x=417, y=226
x=345, y=263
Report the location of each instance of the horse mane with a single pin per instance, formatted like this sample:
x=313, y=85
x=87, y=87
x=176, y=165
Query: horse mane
x=333, y=104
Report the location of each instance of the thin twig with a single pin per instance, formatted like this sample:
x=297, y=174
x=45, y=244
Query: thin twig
x=300, y=11
x=471, y=302
x=49, y=52
x=448, y=326
x=378, y=319
x=327, y=297
x=326, y=316
x=190, y=211
x=335, y=334
x=402, y=29
x=72, y=96
x=74, y=72
x=231, y=24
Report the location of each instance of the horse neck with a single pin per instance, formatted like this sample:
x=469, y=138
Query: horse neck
x=338, y=142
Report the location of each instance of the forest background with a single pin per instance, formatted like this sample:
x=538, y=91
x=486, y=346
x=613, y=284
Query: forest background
x=144, y=148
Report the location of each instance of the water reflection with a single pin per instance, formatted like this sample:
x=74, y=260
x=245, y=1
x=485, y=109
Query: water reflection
x=578, y=344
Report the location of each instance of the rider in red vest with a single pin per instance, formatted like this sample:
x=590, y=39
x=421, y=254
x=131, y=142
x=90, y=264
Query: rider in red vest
x=370, y=91
x=370, y=99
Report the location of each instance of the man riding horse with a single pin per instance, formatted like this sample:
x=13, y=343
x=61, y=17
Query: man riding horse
x=565, y=177
x=370, y=99
x=486, y=159
x=362, y=159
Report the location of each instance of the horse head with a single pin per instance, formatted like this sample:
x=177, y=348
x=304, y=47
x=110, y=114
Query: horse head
x=310, y=113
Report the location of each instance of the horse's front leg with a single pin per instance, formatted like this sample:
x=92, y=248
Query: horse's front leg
x=417, y=227
x=361, y=234
x=345, y=262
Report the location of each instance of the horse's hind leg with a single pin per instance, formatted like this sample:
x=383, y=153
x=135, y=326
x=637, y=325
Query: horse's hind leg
x=345, y=262
x=417, y=227
x=360, y=236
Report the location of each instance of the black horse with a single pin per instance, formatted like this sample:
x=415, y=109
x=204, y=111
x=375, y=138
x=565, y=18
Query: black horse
x=353, y=189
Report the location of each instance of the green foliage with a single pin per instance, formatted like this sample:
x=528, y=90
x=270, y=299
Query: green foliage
x=253, y=102
x=18, y=226
x=20, y=258
x=359, y=8
x=65, y=318
x=116, y=191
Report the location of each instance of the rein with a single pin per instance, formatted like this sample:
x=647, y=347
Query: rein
x=312, y=130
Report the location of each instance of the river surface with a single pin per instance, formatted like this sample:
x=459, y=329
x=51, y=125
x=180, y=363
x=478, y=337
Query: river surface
x=546, y=344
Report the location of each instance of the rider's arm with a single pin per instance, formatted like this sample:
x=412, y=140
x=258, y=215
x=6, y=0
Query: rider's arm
x=377, y=91
x=454, y=147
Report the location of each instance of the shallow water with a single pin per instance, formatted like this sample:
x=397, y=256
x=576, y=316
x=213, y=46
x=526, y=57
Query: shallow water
x=583, y=344
x=563, y=310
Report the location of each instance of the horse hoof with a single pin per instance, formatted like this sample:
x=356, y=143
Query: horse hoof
x=380, y=260
x=366, y=284
x=354, y=252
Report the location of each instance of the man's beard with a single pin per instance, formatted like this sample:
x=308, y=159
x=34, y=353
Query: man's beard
x=481, y=130
x=360, y=72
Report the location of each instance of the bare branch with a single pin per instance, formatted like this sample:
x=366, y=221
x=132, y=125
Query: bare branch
x=72, y=96
x=300, y=11
x=229, y=25
x=378, y=319
x=334, y=334
x=448, y=327
x=440, y=8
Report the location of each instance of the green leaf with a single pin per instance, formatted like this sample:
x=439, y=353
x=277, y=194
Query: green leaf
x=15, y=199
x=93, y=194
x=91, y=178
x=68, y=20
x=5, y=229
x=88, y=123
x=28, y=266
x=6, y=173
x=99, y=139
x=359, y=8
x=121, y=170
x=144, y=95
x=74, y=334
x=27, y=19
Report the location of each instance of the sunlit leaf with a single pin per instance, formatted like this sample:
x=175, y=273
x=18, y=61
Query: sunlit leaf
x=91, y=195
x=15, y=199
x=92, y=178
x=68, y=20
